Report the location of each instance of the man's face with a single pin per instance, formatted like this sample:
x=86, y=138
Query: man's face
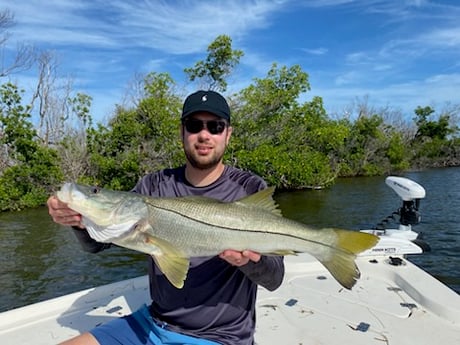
x=203, y=149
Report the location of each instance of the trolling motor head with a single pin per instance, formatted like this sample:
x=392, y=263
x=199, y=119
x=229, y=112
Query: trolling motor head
x=402, y=240
x=411, y=193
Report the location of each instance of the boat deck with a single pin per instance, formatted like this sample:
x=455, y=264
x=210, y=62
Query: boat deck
x=389, y=305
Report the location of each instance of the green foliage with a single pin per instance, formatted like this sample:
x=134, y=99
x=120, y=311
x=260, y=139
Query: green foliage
x=431, y=145
x=265, y=109
x=17, y=133
x=285, y=168
x=291, y=144
x=432, y=129
x=137, y=140
x=81, y=105
x=397, y=152
x=218, y=65
x=364, y=147
x=31, y=170
x=109, y=147
x=277, y=137
x=30, y=184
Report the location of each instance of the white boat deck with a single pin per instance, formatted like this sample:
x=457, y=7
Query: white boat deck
x=389, y=305
x=395, y=305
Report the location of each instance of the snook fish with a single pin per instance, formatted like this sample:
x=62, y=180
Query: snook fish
x=172, y=230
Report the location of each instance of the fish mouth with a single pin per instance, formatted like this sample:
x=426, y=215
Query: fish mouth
x=78, y=199
x=69, y=193
x=106, y=215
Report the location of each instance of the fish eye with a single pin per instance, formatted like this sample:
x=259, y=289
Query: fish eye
x=95, y=190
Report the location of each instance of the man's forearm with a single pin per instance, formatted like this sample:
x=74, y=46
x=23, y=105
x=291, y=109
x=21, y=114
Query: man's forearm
x=88, y=244
x=268, y=272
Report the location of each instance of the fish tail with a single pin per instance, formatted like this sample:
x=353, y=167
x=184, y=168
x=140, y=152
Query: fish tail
x=354, y=241
x=341, y=263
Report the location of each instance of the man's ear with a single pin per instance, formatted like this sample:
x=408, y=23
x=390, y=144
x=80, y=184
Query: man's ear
x=229, y=133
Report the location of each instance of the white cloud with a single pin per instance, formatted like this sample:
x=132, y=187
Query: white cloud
x=446, y=37
x=256, y=62
x=357, y=58
x=173, y=27
x=435, y=91
x=403, y=59
x=316, y=51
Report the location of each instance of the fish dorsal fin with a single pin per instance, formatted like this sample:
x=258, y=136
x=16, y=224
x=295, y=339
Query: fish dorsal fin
x=262, y=199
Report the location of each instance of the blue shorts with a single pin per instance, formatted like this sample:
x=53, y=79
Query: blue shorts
x=140, y=328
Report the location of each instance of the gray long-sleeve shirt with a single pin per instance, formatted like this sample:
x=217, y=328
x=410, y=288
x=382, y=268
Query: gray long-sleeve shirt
x=217, y=301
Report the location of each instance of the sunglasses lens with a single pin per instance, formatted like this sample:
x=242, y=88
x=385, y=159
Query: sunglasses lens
x=215, y=127
x=196, y=126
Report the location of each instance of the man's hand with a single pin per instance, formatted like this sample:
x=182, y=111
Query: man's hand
x=237, y=258
x=62, y=214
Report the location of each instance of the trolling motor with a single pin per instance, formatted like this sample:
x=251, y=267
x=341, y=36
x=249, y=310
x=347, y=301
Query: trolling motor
x=401, y=240
x=411, y=193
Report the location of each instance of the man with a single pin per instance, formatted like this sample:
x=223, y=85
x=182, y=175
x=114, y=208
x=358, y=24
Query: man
x=217, y=303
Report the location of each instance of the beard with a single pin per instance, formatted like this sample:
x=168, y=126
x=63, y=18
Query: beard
x=201, y=162
x=204, y=161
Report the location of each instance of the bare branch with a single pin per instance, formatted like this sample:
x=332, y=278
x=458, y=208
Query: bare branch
x=25, y=54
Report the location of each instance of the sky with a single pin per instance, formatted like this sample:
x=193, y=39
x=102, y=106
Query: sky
x=390, y=53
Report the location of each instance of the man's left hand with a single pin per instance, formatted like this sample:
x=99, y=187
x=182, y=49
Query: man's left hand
x=237, y=258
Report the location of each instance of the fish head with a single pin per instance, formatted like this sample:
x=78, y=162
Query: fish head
x=103, y=207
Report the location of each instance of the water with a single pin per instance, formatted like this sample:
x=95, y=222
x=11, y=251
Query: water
x=360, y=203
x=41, y=259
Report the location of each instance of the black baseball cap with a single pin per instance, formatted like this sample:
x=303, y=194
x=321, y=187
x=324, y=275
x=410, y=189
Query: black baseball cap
x=209, y=101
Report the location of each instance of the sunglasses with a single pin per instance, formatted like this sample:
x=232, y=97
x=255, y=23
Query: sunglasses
x=214, y=126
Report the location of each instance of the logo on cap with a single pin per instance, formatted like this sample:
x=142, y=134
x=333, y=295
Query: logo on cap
x=204, y=98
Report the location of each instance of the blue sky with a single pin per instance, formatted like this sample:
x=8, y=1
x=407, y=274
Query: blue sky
x=397, y=53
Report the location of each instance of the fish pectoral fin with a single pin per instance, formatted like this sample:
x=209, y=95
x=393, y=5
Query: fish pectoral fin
x=174, y=268
x=171, y=261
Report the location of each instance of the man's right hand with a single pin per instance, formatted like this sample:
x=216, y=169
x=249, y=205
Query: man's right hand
x=62, y=214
